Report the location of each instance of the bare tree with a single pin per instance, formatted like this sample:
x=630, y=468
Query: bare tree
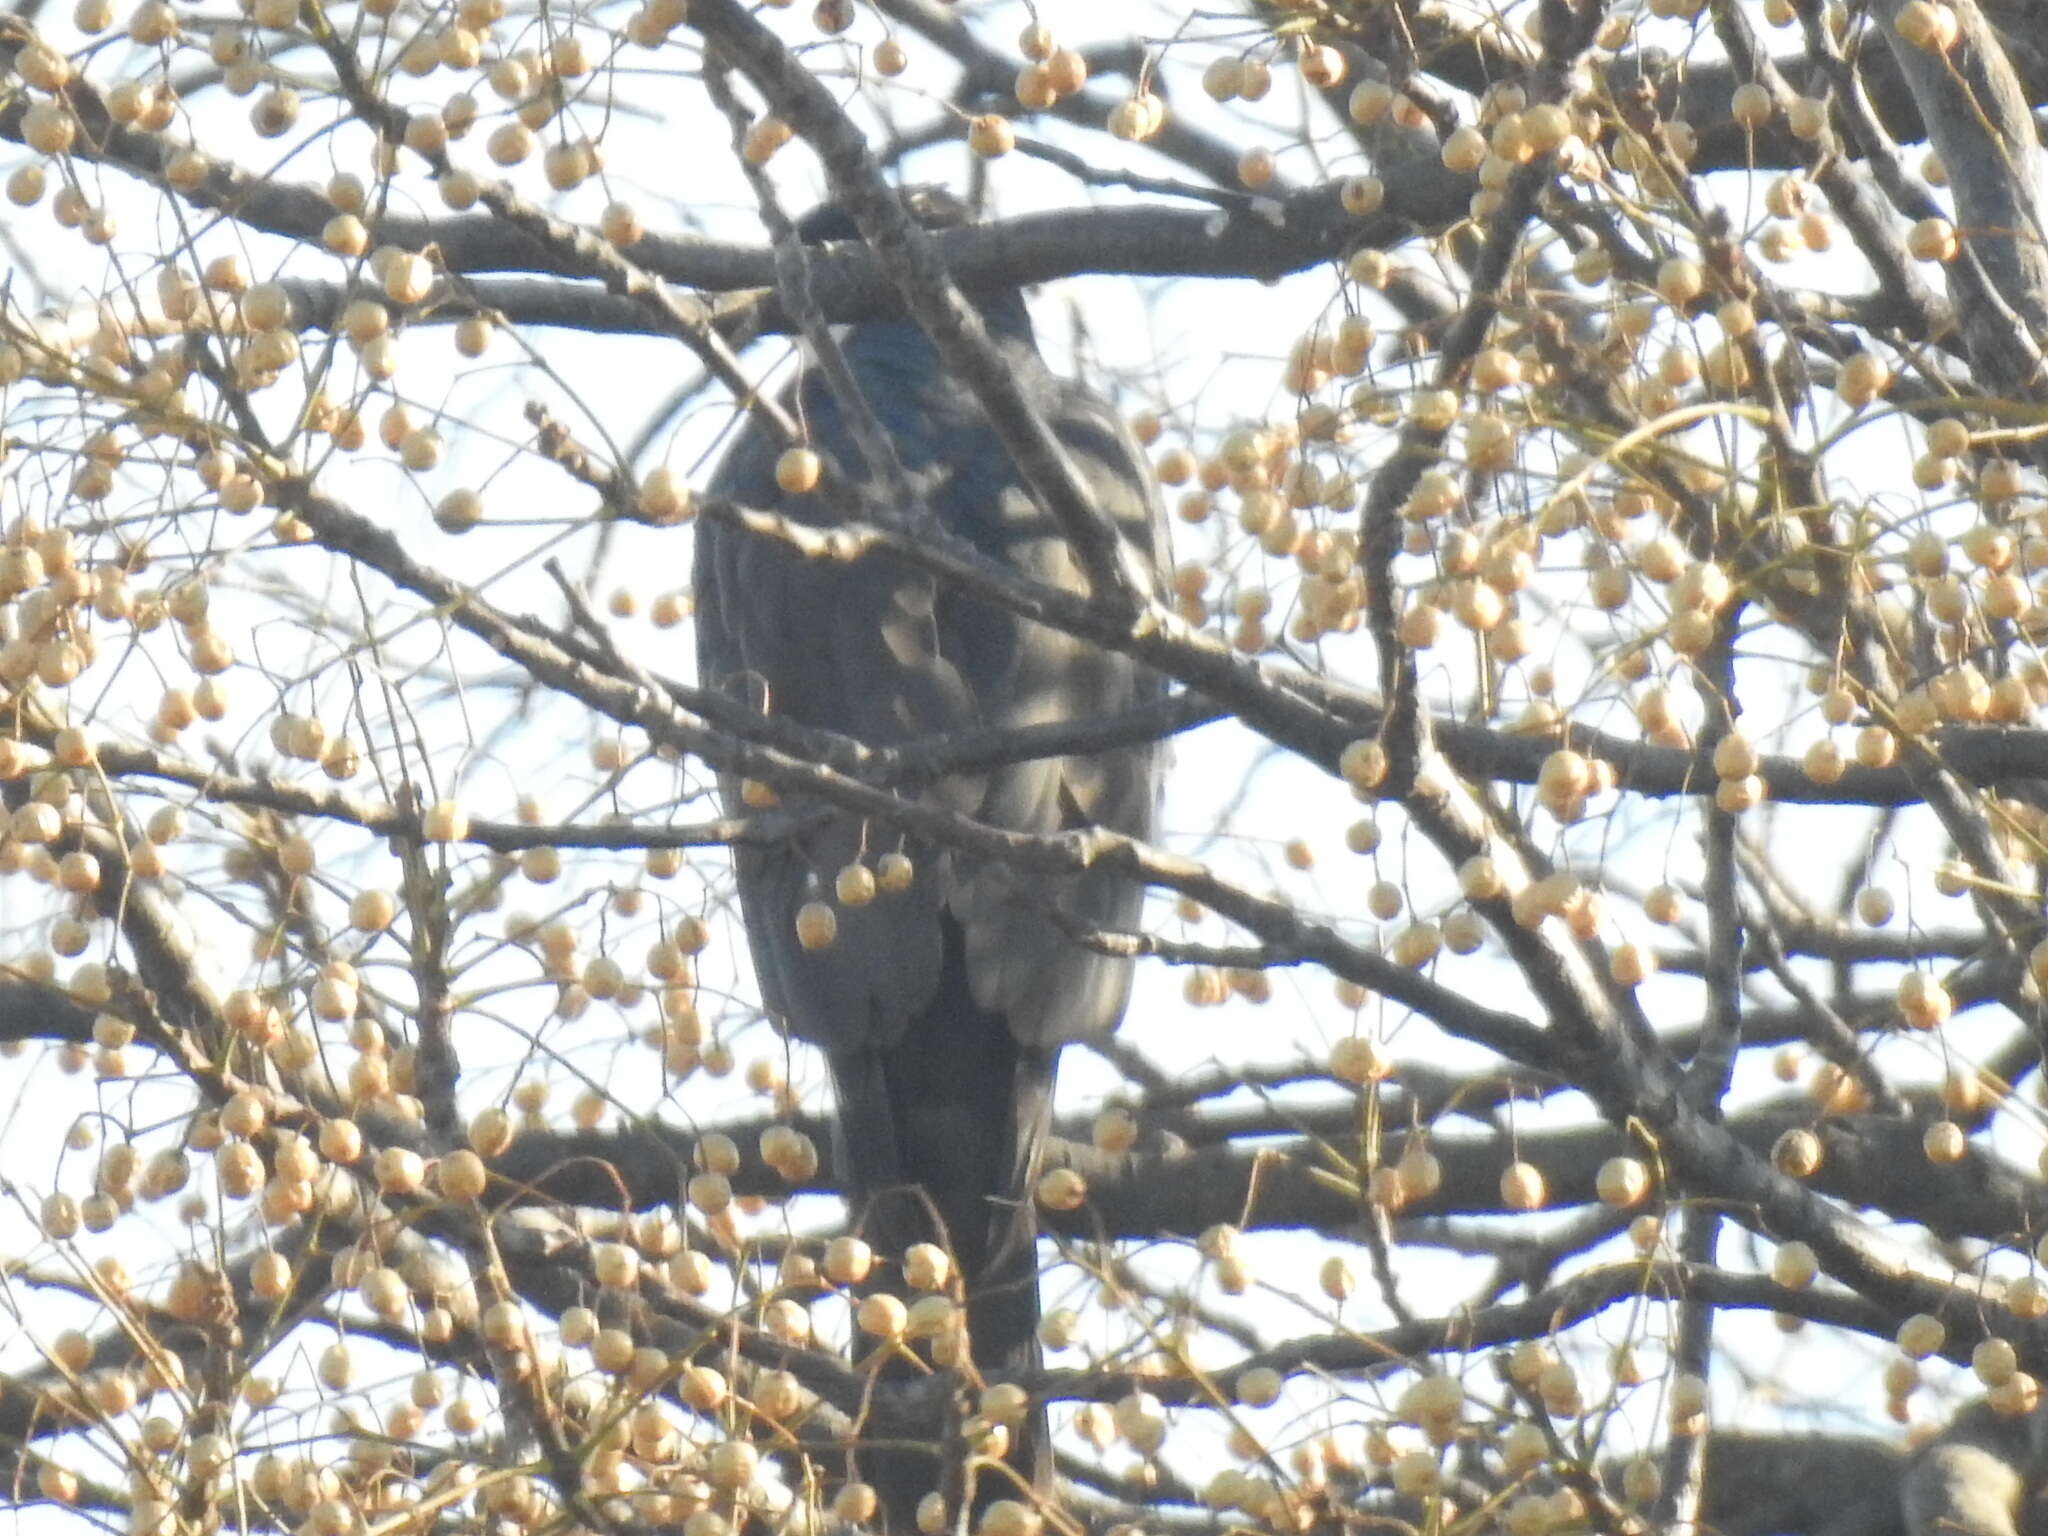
x=1577, y=1074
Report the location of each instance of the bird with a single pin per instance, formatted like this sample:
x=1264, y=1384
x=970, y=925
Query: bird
x=941, y=1007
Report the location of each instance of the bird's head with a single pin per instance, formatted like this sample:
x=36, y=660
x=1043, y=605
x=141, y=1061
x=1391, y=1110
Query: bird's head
x=934, y=207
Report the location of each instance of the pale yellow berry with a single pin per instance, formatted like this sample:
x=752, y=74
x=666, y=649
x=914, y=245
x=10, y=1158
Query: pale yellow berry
x=1945, y=1142
x=1623, y=1182
x=445, y=822
x=798, y=470
x=1794, y=1266
x=1797, y=1153
x=882, y=1315
x=991, y=135
x=1994, y=1361
x=1062, y=1189
x=1921, y=1335
x=1522, y=1187
x=817, y=925
x=1928, y=25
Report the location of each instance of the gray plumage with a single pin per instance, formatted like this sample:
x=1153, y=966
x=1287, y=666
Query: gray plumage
x=941, y=1009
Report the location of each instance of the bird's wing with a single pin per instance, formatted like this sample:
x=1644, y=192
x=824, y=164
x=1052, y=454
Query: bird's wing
x=842, y=646
x=1022, y=962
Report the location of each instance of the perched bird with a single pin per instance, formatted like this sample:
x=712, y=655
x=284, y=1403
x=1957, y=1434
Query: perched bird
x=941, y=1007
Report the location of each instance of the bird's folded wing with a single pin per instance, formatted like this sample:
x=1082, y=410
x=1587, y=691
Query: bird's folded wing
x=873, y=649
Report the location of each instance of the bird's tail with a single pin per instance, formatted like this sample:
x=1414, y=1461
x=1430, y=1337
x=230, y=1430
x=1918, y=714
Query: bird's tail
x=1000, y=1279
x=940, y=1137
